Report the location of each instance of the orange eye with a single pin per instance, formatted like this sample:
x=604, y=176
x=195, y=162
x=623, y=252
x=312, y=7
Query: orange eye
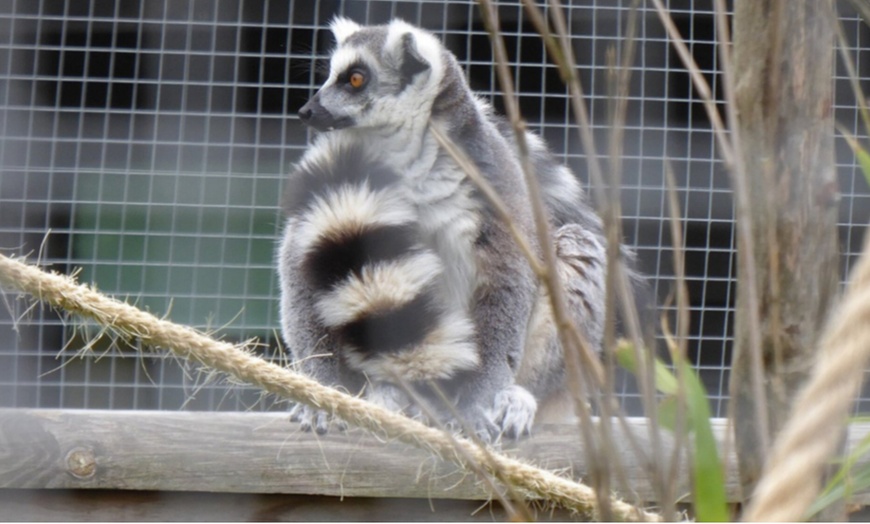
x=356, y=79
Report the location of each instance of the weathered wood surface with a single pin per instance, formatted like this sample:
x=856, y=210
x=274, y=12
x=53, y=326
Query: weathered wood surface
x=265, y=453
x=19, y=505
x=258, y=453
x=783, y=65
x=96, y=505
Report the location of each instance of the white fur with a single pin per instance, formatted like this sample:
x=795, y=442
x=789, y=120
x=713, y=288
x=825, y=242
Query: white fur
x=285, y=269
x=387, y=396
x=454, y=242
x=342, y=28
x=449, y=219
x=568, y=190
x=427, y=45
x=446, y=350
x=398, y=123
x=393, y=127
x=349, y=209
x=345, y=57
x=383, y=286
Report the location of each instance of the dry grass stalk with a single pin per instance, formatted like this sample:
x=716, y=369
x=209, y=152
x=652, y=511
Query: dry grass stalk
x=63, y=293
x=571, y=339
x=854, y=82
x=589, y=358
x=507, y=494
x=559, y=49
x=618, y=291
x=737, y=171
x=669, y=496
x=862, y=7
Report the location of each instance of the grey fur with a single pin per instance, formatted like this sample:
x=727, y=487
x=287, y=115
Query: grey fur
x=411, y=80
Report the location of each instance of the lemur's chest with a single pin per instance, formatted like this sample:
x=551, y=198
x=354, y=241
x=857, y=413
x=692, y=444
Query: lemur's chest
x=450, y=221
x=449, y=215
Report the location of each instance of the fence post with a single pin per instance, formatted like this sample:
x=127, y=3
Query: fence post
x=784, y=67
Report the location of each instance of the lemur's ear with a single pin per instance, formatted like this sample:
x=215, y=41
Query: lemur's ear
x=412, y=61
x=342, y=28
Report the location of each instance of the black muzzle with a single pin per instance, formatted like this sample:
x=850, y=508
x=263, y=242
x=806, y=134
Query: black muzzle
x=315, y=115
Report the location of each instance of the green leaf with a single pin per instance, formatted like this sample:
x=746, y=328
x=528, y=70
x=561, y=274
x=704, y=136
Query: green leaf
x=860, y=153
x=666, y=382
x=858, y=481
x=847, y=480
x=864, y=161
x=708, y=477
x=668, y=413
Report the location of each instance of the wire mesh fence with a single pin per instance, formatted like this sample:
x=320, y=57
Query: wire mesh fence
x=144, y=144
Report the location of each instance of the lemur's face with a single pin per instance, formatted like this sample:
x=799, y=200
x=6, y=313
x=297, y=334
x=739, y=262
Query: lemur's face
x=379, y=77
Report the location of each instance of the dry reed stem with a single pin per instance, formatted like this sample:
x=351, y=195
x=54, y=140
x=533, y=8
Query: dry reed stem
x=701, y=85
x=732, y=156
x=561, y=53
x=851, y=74
x=619, y=87
x=517, y=509
x=568, y=68
x=862, y=7
x=571, y=339
x=793, y=472
x=62, y=292
x=682, y=336
x=743, y=216
x=617, y=292
x=468, y=166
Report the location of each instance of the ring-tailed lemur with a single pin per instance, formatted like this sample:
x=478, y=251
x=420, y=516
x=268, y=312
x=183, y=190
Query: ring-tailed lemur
x=392, y=265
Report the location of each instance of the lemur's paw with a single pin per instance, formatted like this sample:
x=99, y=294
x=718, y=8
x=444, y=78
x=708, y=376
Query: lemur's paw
x=513, y=411
x=485, y=429
x=476, y=421
x=314, y=419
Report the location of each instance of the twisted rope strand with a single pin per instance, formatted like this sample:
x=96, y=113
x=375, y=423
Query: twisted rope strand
x=64, y=293
x=792, y=475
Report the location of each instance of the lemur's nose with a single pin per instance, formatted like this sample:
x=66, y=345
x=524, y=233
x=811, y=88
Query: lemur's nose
x=320, y=118
x=305, y=113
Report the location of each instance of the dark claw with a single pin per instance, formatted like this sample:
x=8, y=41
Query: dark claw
x=321, y=425
x=313, y=419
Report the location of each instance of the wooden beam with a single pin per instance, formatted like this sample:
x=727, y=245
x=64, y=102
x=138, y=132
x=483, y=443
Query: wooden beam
x=97, y=505
x=259, y=453
x=228, y=452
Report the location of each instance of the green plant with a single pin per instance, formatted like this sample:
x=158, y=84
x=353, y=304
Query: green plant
x=684, y=391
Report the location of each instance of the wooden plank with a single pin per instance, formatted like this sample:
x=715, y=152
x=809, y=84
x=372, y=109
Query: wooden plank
x=253, y=453
x=21, y=505
x=265, y=453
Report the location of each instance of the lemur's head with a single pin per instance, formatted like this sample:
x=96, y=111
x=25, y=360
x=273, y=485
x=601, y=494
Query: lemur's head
x=379, y=77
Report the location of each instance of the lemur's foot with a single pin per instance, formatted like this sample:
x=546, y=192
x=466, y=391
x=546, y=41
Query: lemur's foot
x=315, y=419
x=513, y=411
x=476, y=420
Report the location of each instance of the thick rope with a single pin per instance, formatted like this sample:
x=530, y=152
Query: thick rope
x=793, y=472
x=62, y=292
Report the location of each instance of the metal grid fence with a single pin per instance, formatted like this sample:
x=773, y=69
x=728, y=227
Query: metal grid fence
x=144, y=144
